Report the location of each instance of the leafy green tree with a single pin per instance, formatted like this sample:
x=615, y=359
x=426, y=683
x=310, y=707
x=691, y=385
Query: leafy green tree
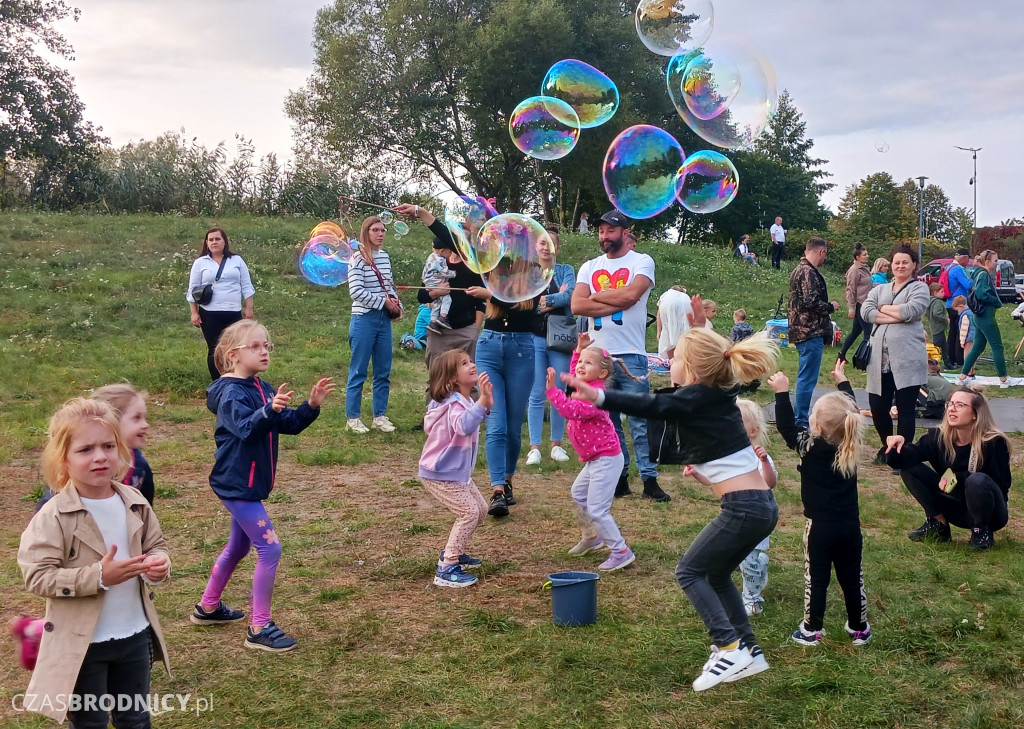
x=876, y=209
x=785, y=140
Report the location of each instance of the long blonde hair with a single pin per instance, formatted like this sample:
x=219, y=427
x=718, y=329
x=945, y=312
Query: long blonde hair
x=232, y=337
x=711, y=359
x=753, y=414
x=836, y=419
x=63, y=426
x=983, y=431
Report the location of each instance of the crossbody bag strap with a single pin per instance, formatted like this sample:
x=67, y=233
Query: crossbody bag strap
x=380, y=279
x=972, y=463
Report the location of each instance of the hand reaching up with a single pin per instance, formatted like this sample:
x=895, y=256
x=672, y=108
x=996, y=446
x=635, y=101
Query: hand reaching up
x=282, y=398
x=779, y=382
x=583, y=341
x=583, y=391
x=839, y=371
x=324, y=387
x=696, y=317
x=486, y=391
x=550, y=381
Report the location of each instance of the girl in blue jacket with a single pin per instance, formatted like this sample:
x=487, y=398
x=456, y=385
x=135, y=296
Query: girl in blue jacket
x=250, y=415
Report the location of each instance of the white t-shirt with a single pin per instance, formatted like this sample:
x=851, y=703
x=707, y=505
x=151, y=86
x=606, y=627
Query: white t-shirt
x=235, y=283
x=122, y=614
x=624, y=332
x=673, y=307
x=778, y=232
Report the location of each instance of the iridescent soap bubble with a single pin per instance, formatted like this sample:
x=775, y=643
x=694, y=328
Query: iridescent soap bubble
x=710, y=182
x=642, y=171
x=527, y=261
x=328, y=226
x=387, y=217
x=401, y=228
x=881, y=146
x=732, y=85
x=324, y=260
x=464, y=217
x=670, y=26
x=544, y=127
x=593, y=96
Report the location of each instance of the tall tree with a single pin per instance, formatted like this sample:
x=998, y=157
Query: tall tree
x=785, y=140
x=876, y=209
x=939, y=218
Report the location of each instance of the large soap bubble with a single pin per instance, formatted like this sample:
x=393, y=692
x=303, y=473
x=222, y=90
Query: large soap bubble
x=387, y=217
x=642, y=171
x=593, y=96
x=710, y=182
x=464, y=218
x=726, y=93
x=527, y=262
x=670, y=26
x=324, y=260
x=544, y=127
x=328, y=226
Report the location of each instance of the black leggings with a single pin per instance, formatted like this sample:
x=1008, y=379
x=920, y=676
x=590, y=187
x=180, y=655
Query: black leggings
x=858, y=327
x=980, y=504
x=828, y=545
x=115, y=669
x=953, y=349
x=213, y=324
x=906, y=400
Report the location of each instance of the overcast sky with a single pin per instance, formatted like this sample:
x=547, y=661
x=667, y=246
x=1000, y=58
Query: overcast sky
x=917, y=77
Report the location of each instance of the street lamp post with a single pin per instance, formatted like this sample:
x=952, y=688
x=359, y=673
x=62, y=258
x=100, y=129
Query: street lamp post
x=974, y=183
x=920, y=222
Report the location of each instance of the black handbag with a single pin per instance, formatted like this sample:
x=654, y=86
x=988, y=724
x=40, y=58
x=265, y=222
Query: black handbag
x=561, y=333
x=203, y=295
x=976, y=306
x=862, y=356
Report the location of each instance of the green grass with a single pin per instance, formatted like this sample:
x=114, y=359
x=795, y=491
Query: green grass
x=88, y=300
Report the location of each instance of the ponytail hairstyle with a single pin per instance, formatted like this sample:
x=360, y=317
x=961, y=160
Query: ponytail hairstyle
x=753, y=414
x=860, y=248
x=608, y=364
x=836, y=419
x=710, y=359
x=984, y=256
x=63, y=426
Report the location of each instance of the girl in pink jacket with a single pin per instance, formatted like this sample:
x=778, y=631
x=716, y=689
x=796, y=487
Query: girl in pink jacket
x=593, y=436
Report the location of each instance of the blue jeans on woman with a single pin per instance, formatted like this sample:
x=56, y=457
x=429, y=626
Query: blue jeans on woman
x=507, y=358
x=637, y=366
x=542, y=359
x=369, y=336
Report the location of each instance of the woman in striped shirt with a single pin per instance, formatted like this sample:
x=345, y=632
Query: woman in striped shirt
x=371, y=285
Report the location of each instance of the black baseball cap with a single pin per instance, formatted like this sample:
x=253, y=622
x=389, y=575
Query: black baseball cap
x=614, y=217
x=963, y=252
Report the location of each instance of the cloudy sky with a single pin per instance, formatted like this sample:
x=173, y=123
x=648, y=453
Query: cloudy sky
x=915, y=77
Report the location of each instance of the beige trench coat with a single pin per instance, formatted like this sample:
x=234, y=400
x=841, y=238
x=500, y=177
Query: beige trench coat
x=59, y=557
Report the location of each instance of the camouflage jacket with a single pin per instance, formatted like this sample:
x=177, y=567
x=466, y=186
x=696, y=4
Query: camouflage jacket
x=810, y=311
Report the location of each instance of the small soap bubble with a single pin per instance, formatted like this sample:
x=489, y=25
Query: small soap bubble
x=464, y=217
x=881, y=146
x=387, y=217
x=592, y=95
x=642, y=171
x=669, y=26
x=324, y=260
x=401, y=228
x=527, y=262
x=710, y=182
x=544, y=127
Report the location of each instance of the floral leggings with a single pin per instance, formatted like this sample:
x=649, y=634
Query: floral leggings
x=250, y=526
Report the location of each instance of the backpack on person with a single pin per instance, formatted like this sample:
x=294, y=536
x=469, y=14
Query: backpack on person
x=944, y=280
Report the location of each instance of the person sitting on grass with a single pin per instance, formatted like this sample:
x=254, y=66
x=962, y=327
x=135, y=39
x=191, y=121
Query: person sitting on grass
x=740, y=328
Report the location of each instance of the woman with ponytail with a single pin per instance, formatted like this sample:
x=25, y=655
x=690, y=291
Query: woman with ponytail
x=708, y=370
x=829, y=449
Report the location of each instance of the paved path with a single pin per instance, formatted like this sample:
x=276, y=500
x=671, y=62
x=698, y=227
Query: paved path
x=1007, y=411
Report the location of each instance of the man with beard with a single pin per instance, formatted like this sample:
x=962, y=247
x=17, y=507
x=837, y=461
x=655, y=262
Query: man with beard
x=612, y=291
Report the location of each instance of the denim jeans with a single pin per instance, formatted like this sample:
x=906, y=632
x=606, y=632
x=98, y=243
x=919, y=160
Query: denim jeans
x=705, y=571
x=809, y=353
x=369, y=336
x=507, y=358
x=119, y=667
x=542, y=359
x=637, y=365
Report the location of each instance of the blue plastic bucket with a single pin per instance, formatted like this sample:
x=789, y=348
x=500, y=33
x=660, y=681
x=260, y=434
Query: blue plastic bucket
x=574, y=597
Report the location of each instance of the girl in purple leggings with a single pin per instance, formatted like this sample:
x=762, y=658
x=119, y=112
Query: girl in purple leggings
x=250, y=415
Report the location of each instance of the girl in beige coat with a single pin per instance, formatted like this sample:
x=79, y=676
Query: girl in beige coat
x=91, y=551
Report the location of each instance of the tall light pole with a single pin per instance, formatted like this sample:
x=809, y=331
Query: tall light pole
x=920, y=222
x=974, y=183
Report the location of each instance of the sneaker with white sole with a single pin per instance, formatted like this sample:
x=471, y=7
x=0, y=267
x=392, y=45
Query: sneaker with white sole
x=220, y=615
x=382, y=424
x=356, y=426
x=558, y=454
x=453, y=576
x=618, y=560
x=758, y=665
x=270, y=638
x=807, y=637
x=859, y=637
x=721, y=665
x=753, y=608
x=533, y=457
x=586, y=546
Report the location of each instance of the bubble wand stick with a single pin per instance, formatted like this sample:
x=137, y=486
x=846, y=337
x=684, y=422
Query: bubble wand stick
x=363, y=202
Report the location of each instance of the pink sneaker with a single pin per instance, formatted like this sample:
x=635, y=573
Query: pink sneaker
x=618, y=560
x=28, y=632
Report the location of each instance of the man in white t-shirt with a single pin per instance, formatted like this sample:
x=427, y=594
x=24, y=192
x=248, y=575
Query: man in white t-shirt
x=778, y=242
x=612, y=292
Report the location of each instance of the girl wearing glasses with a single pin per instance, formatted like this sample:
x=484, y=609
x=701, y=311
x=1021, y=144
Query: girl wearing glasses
x=968, y=482
x=250, y=416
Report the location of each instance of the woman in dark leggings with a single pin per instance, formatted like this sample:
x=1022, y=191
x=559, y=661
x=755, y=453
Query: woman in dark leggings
x=230, y=287
x=858, y=284
x=959, y=472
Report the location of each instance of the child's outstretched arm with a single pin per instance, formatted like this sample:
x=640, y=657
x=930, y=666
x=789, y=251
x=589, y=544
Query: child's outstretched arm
x=842, y=383
x=768, y=472
x=295, y=420
x=785, y=418
x=571, y=409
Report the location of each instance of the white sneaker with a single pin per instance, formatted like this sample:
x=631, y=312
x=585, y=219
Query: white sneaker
x=533, y=457
x=753, y=608
x=356, y=426
x=586, y=545
x=721, y=665
x=758, y=665
x=382, y=424
x=558, y=454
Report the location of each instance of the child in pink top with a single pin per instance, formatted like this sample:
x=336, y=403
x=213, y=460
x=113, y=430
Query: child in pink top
x=593, y=436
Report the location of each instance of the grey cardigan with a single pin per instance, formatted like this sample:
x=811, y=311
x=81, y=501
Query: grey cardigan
x=908, y=357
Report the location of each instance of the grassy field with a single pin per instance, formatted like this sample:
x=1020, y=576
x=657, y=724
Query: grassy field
x=86, y=301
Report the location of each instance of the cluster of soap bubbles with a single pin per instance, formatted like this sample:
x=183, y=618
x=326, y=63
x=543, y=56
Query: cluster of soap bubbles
x=324, y=259
x=513, y=253
x=573, y=96
x=400, y=227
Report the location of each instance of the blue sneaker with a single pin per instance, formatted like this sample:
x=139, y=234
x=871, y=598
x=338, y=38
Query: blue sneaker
x=465, y=561
x=807, y=637
x=270, y=638
x=452, y=577
x=220, y=615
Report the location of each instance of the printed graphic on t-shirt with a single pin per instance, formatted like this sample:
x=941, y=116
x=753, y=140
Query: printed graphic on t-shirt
x=602, y=280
